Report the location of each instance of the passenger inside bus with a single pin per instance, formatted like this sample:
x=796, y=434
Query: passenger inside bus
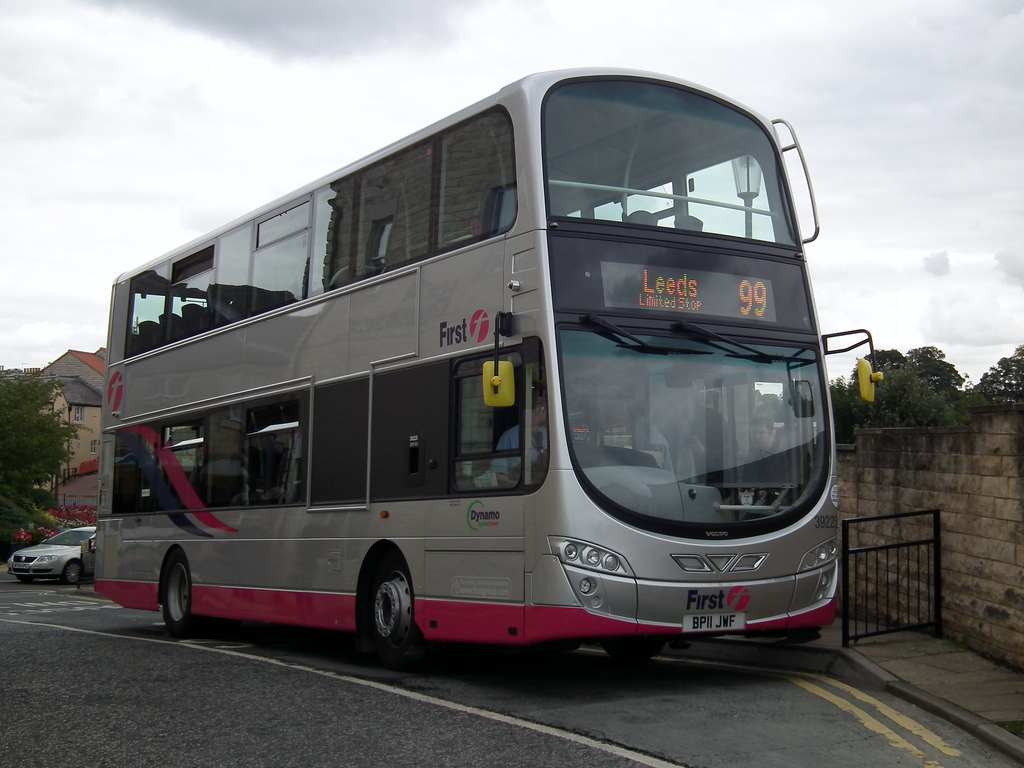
x=762, y=436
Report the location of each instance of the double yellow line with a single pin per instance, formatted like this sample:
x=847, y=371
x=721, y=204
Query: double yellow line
x=810, y=684
x=817, y=685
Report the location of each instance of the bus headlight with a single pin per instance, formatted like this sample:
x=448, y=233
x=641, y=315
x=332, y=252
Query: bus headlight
x=590, y=556
x=826, y=584
x=824, y=553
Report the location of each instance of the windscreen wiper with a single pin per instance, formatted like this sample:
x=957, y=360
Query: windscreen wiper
x=638, y=344
x=755, y=355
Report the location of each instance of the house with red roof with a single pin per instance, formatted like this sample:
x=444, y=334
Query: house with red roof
x=90, y=367
x=82, y=377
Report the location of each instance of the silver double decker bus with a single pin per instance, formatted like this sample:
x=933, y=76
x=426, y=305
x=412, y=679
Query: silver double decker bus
x=548, y=370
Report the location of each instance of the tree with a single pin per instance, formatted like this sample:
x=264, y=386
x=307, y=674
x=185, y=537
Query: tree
x=920, y=389
x=1004, y=381
x=34, y=439
x=930, y=365
x=905, y=399
x=888, y=360
x=848, y=410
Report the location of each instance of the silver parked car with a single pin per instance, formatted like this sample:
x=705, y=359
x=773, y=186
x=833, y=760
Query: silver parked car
x=67, y=556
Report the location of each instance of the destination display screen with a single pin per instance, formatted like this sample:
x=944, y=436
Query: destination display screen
x=688, y=292
x=676, y=282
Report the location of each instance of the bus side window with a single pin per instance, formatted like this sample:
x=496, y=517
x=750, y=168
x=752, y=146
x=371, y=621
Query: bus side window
x=280, y=263
x=228, y=295
x=335, y=235
x=273, y=454
x=478, y=194
x=481, y=459
x=189, y=307
x=394, y=211
x=491, y=443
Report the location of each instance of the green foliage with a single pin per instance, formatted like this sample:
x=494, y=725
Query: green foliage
x=14, y=517
x=11, y=519
x=942, y=377
x=921, y=389
x=42, y=498
x=34, y=440
x=1004, y=382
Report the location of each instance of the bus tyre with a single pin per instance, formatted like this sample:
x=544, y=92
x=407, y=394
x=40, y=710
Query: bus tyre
x=72, y=572
x=396, y=638
x=633, y=649
x=176, y=596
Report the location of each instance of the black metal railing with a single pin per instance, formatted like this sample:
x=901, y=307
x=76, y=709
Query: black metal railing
x=891, y=584
x=69, y=500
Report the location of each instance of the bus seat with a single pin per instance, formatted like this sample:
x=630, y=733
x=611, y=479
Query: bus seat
x=498, y=210
x=195, y=319
x=150, y=336
x=691, y=223
x=642, y=217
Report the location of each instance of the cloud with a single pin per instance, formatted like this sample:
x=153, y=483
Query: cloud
x=937, y=264
x=133, y=126
x=333, y=28
x=23, y=342
x=1011, y=262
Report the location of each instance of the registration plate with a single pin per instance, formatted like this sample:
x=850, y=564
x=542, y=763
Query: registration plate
x=714, y=622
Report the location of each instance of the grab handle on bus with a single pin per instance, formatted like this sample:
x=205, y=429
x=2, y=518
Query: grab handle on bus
x=499, y=381
x=795, y=144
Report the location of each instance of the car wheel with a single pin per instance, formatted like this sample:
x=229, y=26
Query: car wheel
x=72, y=572
x=631, y=650
x=176, y=596
x=396, y=638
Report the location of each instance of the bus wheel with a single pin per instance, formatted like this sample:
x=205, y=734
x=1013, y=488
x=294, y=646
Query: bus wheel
x=396, y=638
x=633, y=649
x=176, y=596
x=72, y=572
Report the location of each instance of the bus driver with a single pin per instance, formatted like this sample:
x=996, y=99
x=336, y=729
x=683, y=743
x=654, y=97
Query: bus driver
x=508, y=470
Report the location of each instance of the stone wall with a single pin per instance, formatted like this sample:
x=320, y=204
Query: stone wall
x=974, y=475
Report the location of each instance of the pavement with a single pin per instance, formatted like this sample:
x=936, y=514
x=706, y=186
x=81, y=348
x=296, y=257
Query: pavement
x=940, y=676
x=980, y=696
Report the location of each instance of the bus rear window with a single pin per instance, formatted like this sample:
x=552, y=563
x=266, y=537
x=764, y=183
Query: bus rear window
x=145, y=321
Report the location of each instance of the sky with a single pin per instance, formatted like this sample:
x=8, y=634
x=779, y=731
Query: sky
x=130, y=127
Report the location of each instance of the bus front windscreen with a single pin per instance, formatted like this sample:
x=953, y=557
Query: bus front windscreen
x=687, y=435
x=659, y=155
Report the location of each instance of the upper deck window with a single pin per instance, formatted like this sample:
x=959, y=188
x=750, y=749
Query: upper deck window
x=658, y=155
x=449, y=192
x=283, y=224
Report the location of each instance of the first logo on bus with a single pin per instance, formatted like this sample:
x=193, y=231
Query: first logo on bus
x=462, y=331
